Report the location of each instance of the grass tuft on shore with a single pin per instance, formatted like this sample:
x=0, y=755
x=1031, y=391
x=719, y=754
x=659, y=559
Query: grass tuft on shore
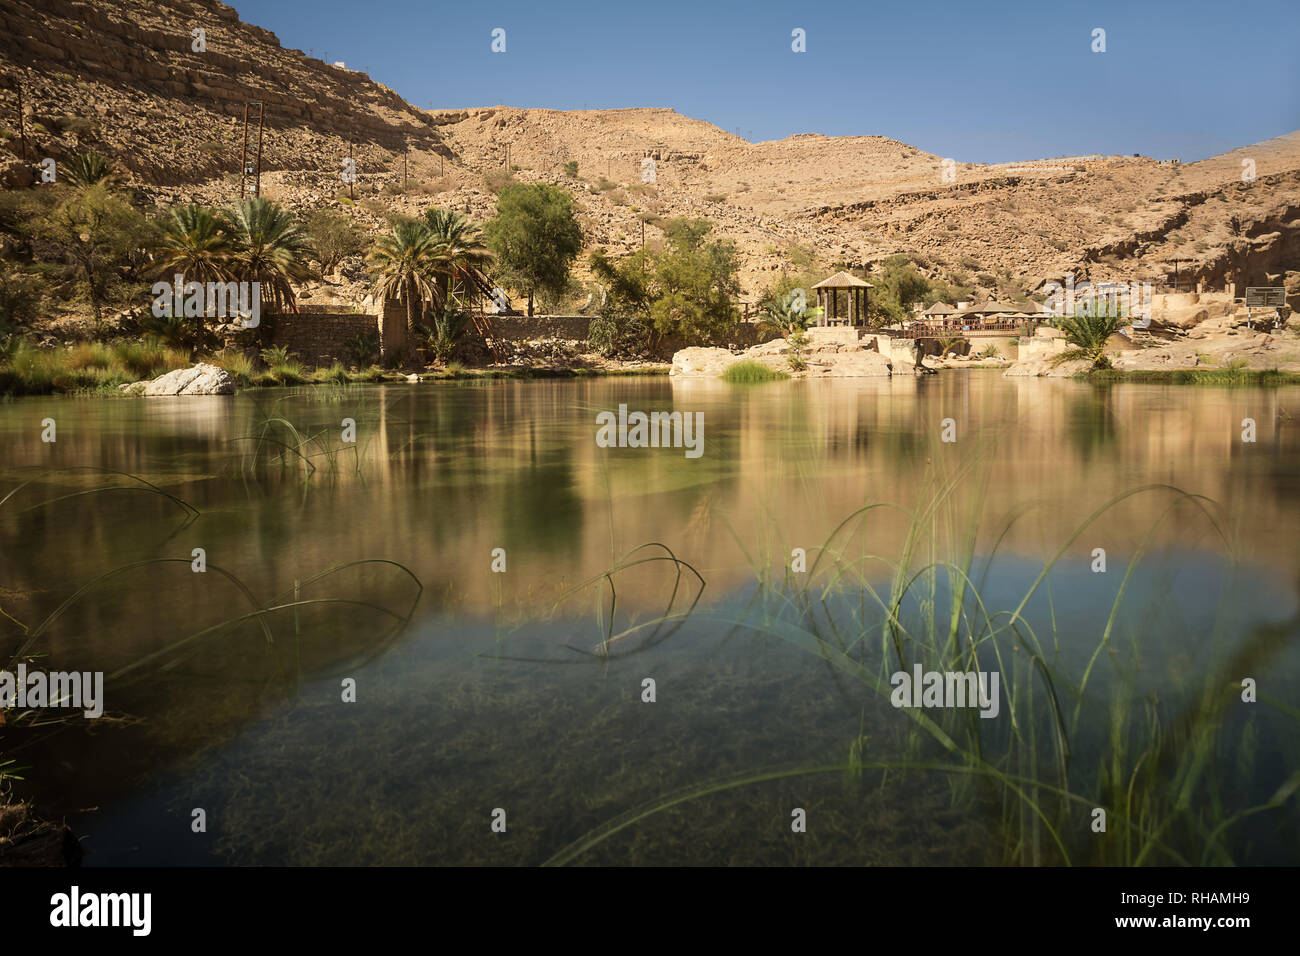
x=752, y=373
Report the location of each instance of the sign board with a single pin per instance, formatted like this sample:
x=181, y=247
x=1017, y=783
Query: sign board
x=1265, y=296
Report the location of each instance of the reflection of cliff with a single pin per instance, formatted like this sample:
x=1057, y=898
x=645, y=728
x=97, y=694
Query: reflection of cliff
x=441, y=476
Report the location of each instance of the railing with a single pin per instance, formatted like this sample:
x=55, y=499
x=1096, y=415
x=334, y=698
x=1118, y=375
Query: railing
x=921, y=330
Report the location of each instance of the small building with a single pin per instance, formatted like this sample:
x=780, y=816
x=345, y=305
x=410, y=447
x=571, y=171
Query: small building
x=842, y=288
x=938, y=315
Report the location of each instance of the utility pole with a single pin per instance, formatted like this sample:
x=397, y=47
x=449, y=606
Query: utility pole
x=643, y=233
x=352, y=175
x=261, y=115
x=22, y=122
x=244, y=169
x=243, y=157
x=404, y=151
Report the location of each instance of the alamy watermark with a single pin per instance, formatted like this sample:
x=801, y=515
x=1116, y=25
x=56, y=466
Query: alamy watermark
x=655, y=430
x=946, y=689
x=1114, y=299
x=211, y=299
x=73, y=689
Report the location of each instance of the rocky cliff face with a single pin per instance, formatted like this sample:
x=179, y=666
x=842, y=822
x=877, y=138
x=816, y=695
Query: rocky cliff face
x=124, y=77
x=131, y=79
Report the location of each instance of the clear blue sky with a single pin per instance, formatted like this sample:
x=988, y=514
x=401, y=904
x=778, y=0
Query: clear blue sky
x=975, y=81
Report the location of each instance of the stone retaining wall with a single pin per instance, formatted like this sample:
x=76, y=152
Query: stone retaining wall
x=318, y=338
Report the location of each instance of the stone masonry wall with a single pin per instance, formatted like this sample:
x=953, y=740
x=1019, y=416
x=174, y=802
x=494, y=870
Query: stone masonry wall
x=318, y=338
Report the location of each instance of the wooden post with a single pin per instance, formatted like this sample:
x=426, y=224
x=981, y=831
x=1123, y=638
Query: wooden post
x=243, y=157
x=261, y=115
x=22, y=122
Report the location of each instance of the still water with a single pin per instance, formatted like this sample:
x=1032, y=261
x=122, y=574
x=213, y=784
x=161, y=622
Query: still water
x=395, y=642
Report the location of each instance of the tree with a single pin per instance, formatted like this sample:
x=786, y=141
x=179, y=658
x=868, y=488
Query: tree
x=192, y=242
x=332, y=237
x=465, y=254
x=789, y=312
x=97, y=232
x=270, y=248
x=686, y=289
x=535, y=237
x=1088, y=334
x=405, y=264
x=449, y=324
x=897, y=287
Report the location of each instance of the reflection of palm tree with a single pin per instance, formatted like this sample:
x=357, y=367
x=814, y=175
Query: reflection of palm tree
x=270, y=248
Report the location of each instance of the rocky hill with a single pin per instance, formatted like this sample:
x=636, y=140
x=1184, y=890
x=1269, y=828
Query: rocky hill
x=122, y=76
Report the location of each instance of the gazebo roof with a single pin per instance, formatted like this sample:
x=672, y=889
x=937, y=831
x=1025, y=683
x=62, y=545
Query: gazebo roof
x=939, y=308
x=842, y=280
x=992, y=306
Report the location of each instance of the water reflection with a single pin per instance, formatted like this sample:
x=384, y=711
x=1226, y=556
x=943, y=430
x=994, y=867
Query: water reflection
x=441, y=475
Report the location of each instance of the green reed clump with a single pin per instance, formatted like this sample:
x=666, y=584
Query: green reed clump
x=749, y=372
x=238, y=365
x=27, y=369
x=1079, y=728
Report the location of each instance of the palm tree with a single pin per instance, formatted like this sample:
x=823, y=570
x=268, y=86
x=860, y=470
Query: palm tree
x=466, y=254
x=1088, y=335
x=90, y=168
x=406, y=264
x=193, y=243
x=270, y=248
x=788, y=312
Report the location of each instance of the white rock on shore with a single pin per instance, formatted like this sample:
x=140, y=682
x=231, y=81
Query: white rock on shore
x=199, y=379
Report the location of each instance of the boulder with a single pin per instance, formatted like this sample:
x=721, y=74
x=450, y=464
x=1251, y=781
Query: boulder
x=699, y=361
x=15, y=174
x=1166, y=357
x=1046, y=368
x=848, y=363
x=200, y=379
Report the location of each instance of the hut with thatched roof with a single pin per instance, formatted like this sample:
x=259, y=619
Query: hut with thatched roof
x=855, y=299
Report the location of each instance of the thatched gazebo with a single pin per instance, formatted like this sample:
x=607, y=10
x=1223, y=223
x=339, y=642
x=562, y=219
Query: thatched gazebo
x=828, y=299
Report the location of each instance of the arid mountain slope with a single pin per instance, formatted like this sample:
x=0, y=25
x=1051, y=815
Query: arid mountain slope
x=122, y=77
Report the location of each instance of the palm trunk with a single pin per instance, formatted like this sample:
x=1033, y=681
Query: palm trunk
x=411, y=314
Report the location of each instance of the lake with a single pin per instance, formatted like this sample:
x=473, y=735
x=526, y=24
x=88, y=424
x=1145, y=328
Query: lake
x=475, y=634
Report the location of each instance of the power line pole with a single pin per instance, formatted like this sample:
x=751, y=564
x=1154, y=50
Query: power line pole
x=405, y=148
x=261, y=115
x=22, y=123
x=243, y=157
x=352, y=176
